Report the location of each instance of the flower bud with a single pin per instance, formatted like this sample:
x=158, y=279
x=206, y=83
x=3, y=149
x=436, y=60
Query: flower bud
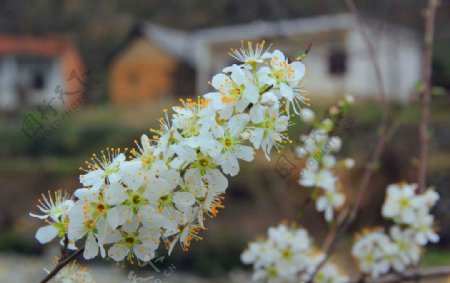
x=307, y=115
x=269, y=99
x=335, y=143
x=349, y=163
x=329, y=161
x=334, y=110
x=301, y=152
x=349, y=99
x=245, y=135
x=327, y=125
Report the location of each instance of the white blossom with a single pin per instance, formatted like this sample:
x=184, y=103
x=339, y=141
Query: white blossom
x=307, y=115
x=328, y=202
x=402, y=248
x=54, y=209
x=288, y=255
x=399, y=203
x=74, y=273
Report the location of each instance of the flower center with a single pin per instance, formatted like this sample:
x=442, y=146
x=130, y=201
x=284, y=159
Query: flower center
x=147, y=161
x=272, y=272
x=268, y=124
x=136, y=199
x=90, y=224
x=129, y=240
x=286, y=254
x=101, y=207
x=165, y=201
x=111, y=170
x=404, y=203
x=192, y=128
x=228, y=142
x=203, y=162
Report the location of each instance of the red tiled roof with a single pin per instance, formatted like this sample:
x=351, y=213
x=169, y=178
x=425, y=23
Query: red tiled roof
x=32, y=45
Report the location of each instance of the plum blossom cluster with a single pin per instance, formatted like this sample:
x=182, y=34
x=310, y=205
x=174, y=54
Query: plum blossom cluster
x=162, y=190
x=74, y=273
x=288, y=255
x=378, y=252
x=318, y=148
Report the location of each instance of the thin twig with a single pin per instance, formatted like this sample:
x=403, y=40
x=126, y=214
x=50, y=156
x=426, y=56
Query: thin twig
x=430, y=15
x=347, y=215
x=424, y=273
x=426, y=96
x=64, y=247
x=61, y=265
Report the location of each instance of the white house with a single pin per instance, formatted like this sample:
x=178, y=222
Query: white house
x=338, y=63
x=34, y=70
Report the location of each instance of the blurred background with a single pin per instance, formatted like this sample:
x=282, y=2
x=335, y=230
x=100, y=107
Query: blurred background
x=77, y=76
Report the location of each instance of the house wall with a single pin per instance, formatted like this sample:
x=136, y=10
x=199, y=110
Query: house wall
x=318, y=80
x=19, y=72
x=74, y=76
x=16, y=81
x=399, y=59
x=8, y=73
x=398, y=55
x=53, y=77
x=141, y=72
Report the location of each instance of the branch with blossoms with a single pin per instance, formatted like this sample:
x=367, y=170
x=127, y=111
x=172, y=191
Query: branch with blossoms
x=423, y=273
x=381, y=256
x=348, y=215
x=430, y=15
x=163, y=190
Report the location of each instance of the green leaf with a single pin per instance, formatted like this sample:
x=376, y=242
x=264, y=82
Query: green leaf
x=420, y=86
x=438, y=91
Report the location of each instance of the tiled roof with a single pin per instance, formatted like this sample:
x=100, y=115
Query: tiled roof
x=32, y=45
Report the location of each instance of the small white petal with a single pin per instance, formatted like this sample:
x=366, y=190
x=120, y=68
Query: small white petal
x=46, y=234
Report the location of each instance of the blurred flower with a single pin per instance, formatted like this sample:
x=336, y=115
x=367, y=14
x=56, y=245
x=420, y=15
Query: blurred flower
x=370, y=249
x=423, y=226
x=288, y=255
x=318, y=178
x=74, y=273
x=307, y=115
x=328, y=202
x=399, y=203
x=411, y=211
x=330, y=273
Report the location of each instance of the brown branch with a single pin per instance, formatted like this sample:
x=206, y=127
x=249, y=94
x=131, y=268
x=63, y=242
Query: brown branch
x=424, y=273
x=64, y=247
x=426, y=97
x=347, y=215
x=61, y=264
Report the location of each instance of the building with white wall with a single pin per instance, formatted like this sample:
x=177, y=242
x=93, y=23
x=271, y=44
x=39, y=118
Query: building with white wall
x=34, y=70
x=339, y=61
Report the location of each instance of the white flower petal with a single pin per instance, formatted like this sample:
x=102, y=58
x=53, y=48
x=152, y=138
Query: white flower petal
x=90, y=248
x=217, y=181
x=183, y=199
x=46, y=234
x=118, y=252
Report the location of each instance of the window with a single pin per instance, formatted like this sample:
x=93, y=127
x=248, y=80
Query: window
x=38, y=82
x=337, y=62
